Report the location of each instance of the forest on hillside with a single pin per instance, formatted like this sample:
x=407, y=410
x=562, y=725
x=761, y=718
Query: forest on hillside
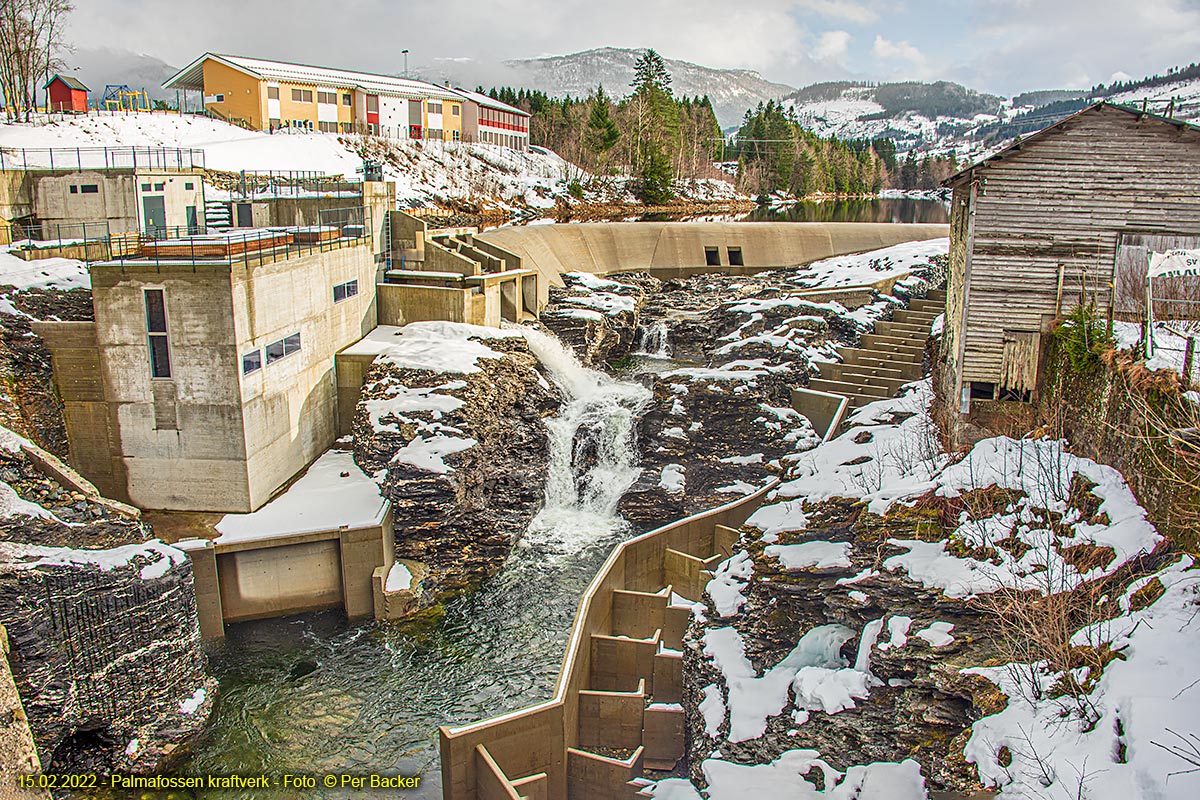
x=656, y=137
x=775, y=153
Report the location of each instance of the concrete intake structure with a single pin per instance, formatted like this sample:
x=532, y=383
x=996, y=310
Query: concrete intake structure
x=681, y=249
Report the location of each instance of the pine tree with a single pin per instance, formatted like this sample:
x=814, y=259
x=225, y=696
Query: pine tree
x=602, y=132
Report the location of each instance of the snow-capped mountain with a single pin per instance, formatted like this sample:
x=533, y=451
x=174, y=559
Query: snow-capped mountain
x=731, y=91
x=944, y=117
x=915, y=115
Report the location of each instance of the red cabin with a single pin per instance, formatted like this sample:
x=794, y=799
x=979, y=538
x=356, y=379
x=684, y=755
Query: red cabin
x=67, y=94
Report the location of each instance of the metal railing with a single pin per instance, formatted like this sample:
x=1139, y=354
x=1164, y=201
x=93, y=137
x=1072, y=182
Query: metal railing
x=172, y=245
x=255, y=184
x=100, y=158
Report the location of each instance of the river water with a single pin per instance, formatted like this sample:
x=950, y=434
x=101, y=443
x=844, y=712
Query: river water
x=313, y=695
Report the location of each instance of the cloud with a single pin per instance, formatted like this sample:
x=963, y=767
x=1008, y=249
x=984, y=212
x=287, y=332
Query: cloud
x=887, y=50
x=832, y=46
x=1013, y=45
x=840, y=9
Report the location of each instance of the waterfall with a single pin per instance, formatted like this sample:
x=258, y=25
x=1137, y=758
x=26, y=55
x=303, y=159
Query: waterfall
x=654, y=341
x=593, y=454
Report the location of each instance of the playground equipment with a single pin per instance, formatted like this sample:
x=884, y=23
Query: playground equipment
x=124, y=98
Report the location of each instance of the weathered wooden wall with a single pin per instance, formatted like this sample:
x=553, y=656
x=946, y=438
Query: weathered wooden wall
x=1065, y=198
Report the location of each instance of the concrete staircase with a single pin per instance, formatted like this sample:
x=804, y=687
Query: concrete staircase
x=887, y=358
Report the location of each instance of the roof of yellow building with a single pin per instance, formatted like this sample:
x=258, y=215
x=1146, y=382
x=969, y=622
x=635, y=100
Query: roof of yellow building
x=192, y=77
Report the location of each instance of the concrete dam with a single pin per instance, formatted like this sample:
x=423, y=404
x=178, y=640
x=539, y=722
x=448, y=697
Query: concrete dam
x=682, y=249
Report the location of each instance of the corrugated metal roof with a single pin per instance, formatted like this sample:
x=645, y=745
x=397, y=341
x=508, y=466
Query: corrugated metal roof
x=488, y=102
x=192, y=77
x=1015, y=148
x=74, y=83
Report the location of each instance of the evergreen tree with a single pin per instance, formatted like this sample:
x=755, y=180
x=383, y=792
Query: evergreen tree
x=602, y=132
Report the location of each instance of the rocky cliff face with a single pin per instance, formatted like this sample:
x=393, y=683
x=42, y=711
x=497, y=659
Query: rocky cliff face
x=461, y=443
x=721, y=355
x=106, y=648
x=29, y=404
x=882, y=570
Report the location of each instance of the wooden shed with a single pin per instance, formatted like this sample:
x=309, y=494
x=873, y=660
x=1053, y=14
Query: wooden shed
x=1059, y=218
x=67, y=94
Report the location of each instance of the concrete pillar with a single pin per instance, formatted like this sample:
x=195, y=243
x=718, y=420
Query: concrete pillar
x=362, y=552
x=208, y=589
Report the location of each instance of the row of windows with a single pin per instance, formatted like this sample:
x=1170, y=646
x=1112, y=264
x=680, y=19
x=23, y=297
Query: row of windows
x=85, y=188
x=502, y=117
x=712, y=256
x=306, y=96
x=488, y=137
x=158, y=187
x=253, y=361
x=342, y=291
x=307, y=124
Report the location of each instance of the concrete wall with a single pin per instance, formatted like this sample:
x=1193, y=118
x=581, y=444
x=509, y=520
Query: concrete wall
x=209, y=438
x=400, y=304
x=280, y=576
x=180, y=439
x=91, y=423
x=118, y=202
x=674, y=249
x=539, y=739
x=290, y=406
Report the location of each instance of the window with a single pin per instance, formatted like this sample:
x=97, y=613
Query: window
x=434, y=107
x=327, y=127
x=712, y=256
x=297, y=95
x=455, y=110
x=372, y=104
x=220, y=98
x=344, y=290
x=156, y=332
x=145, y=187
x=329, y=98
x=158, y=187
x=89, y=188
x=74, y=190
x=735, y=256
x=457, y=135
x=347, y=127
x=189, y=186
x=272, y=92
x=251, y=362
x=302, y=95
x=347, y=100
x=284, y=347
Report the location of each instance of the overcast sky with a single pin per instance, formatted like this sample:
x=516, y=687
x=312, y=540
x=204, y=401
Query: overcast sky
x=999, y=46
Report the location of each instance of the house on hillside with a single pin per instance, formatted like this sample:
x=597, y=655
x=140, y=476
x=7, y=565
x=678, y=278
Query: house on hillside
x=1065, y=216
x=492, y=122
x=66, y=94
x=270, y=95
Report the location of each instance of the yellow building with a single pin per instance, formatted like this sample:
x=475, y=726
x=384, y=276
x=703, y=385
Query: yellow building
x=269, y=95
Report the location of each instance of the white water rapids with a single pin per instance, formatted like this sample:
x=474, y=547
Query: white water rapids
x=593, y=450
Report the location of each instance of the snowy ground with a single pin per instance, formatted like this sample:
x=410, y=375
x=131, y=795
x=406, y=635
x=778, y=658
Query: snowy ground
x=1169, y=345
x=425, y=173
x=1136, y=735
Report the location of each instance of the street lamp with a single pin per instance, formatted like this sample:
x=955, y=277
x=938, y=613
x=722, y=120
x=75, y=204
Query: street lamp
x=405, y=52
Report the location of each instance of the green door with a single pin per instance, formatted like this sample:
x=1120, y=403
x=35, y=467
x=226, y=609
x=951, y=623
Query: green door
x=154, y=215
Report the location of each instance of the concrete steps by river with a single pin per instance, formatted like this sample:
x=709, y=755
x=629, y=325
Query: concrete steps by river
x=887, y=358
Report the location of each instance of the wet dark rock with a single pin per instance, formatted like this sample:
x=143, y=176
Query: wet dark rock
x=462, y=523
x=29, y=404
x=597, y=317
x=105, y=643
